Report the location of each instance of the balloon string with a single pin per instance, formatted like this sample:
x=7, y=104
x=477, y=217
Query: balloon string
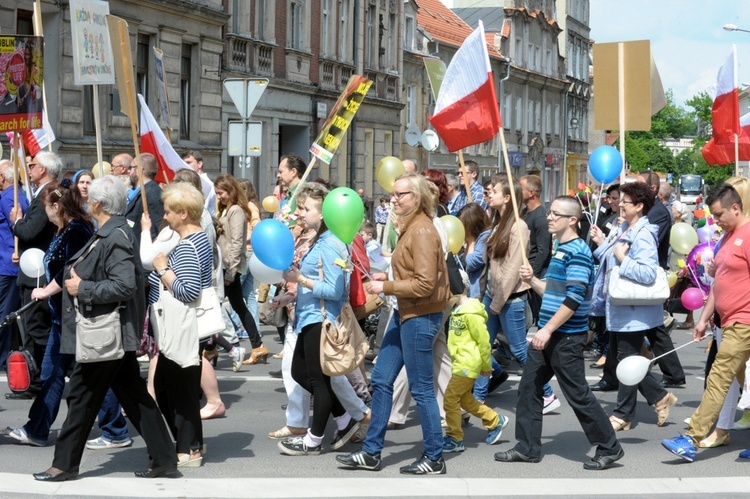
x=681, y=346
x=705, y=296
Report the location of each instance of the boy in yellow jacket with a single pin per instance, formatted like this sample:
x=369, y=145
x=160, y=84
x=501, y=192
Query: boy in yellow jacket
x=469, y=346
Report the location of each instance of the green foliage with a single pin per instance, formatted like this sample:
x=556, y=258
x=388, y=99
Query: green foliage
x=672, y=121
x=702, y=105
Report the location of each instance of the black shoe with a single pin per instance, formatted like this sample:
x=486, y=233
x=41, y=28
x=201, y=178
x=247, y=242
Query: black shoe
x=591, y=354
x=670, y=383
x=513, y=456
x=603, y=462
x=20, y=396
x=603, y=386
x=56, y=477
x=425, y=466
x=361, y=460
x=496, y=381
x=341, y=437
x=156, y=472
x=596, y=366
x=297, y=447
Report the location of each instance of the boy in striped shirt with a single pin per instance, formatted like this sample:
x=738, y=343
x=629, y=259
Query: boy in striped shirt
x=557, y=347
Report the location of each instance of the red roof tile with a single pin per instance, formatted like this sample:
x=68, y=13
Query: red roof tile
x=446, y=27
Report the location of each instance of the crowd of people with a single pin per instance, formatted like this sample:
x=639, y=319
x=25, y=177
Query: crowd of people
x=122, y=243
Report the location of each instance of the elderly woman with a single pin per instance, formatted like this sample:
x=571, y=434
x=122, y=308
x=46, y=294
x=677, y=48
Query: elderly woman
x=632, y=248
x=107, y=273
x=420, y=285
x=184, y=273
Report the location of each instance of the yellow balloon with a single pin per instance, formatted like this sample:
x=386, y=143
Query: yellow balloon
x=683, y=237
x=671, y=278
x=387, y=171
x=270, y=204
x=456, y=233
x=100, y=170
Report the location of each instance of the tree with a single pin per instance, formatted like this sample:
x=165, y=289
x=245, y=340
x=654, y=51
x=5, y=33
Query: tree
x=672, y=121
x=702, y=105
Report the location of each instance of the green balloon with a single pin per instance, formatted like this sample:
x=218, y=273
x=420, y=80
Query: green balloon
x=343, y=212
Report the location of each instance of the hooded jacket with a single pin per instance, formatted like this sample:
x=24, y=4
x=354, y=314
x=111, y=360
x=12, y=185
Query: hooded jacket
x=468, y=339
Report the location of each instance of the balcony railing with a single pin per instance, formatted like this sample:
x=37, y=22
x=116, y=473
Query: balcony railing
x=247, y=55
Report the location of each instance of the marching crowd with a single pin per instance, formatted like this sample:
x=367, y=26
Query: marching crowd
x=122, y=245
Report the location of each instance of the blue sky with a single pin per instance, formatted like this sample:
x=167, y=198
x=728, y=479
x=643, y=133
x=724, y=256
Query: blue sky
x=688, y=41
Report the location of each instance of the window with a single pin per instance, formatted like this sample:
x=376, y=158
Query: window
x=89, y=125
x=408, y=33
x=548, y=119
x=261, y=20
x=185, y=90
x=519, y=114
x=507, y=105
x=519, y=52
x=538, y=117
x=24, y=22
x=530, y=116
x=142, y=52
x=391, y=43
x=325, y=29
x=411, y=105
x=557, y=119
x=344, y=30
x=369, y=36
x=296, y=18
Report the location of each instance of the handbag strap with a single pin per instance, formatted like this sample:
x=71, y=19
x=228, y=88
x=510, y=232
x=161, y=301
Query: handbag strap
x=84, y=255
x=320, y=276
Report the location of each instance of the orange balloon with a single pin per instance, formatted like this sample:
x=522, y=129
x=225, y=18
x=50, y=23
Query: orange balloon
x=270, y=204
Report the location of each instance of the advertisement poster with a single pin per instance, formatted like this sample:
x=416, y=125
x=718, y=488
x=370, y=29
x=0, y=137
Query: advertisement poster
x=340, y=118
x=92, y=51
x=21, y=79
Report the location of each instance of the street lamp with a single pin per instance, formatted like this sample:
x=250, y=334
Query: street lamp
x=734, y=27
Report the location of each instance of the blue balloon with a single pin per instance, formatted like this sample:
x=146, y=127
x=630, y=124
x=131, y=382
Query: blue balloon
x=605, y=164
x=273, y=244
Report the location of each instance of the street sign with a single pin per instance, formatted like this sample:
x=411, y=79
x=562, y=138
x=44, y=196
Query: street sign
x=245, y=93
x=251, y=132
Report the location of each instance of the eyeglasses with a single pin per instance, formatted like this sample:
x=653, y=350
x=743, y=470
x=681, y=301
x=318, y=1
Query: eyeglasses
x=32, y=166
x=399, y=195
x=625, y=201
x=557, y=215
x=132, y=167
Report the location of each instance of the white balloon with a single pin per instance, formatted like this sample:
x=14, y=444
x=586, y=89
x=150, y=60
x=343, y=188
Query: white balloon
x=32, y=262
x=264, y=273
x=631, y=370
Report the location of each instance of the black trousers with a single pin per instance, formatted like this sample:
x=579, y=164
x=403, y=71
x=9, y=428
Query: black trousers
x=88, y=386
x=630, y=344
x=670, y=364
x=178, y=392
x=233, y=293
x=306, y=371
x=563, y=357
x=36, y=323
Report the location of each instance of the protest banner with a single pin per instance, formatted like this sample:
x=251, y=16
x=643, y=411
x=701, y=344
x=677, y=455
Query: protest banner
x=21, y=78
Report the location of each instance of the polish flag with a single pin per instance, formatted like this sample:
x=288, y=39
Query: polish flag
x=155, y=142
x=37, y=139
x=725, y=114
x=723, y=154
x=466, y=111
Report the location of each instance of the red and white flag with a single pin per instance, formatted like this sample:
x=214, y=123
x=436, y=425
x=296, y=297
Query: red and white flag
x=155, y=142
x=723, y=154
x=37, y=139
x=466, y=111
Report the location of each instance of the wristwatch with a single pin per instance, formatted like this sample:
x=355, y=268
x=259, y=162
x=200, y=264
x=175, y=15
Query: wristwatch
x=303, y=282
x=163, y=271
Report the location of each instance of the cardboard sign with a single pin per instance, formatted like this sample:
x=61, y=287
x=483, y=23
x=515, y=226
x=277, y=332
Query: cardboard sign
x=92, y=50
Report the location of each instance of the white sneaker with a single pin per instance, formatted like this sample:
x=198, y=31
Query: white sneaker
x=238, y=355
x=550, y=404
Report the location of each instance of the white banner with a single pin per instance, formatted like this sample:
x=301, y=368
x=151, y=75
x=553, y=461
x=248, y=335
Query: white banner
x=92, y=50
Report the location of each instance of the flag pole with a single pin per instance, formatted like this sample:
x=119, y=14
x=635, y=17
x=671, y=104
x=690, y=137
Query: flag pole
x=462, y=169
x=736, y=154
x=16, y=165
x=621, y=101
x=97, y=125
x=513, y=197
x=302, y=181
x=39, y=31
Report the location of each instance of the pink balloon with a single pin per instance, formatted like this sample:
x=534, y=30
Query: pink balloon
x=692, y=299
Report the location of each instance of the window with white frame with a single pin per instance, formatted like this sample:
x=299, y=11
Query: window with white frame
x=538, y=117
x=344, y=31
x=548, y=118
x=411, y=105
x=507, y=108
x=370, y=37
x=519, y=114
x=557, y=119
x=530, y=116
x=325, y=28
x=408, y=33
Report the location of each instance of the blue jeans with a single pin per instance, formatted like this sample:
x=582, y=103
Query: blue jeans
x=47, y=403
x=409, y=343
x=512, y=320
x=248, y=292
x=111, y=421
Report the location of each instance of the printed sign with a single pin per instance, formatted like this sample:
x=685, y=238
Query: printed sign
x=21, y=80
x=92, y=50
x=340, y=118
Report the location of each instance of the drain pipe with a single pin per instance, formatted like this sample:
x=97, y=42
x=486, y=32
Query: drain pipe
x=507, y=61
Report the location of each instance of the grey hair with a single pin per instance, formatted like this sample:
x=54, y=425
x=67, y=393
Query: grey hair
x=50, y=162
x=451, y=179
x=7, y=170
x=110, y=192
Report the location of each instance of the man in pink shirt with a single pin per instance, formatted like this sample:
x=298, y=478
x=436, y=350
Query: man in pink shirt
x=728, y=297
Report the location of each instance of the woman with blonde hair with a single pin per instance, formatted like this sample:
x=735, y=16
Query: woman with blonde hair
x=420, y=285
x=233, y=216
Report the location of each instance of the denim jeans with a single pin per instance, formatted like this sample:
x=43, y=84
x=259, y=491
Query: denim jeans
x=512, y=320
x=248, y=292
x=47, y=403
x=409, y=343
x=111, y=421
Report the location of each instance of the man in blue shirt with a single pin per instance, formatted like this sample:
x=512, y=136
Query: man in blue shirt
x=475, y=188
x=10, y=298
x=557, y=347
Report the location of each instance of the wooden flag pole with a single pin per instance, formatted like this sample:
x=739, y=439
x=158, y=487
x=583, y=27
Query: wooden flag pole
x=736, y=155
x=302, y=181
x=97, y=125
x=16, y=165
x=621, y=102
x=462, y=169
x=39, y=31
x=513, y=197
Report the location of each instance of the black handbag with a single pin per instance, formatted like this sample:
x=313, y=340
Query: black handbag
x=458, y=279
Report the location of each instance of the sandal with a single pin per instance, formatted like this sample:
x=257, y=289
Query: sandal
x=619, y=424
x=286, y=432
x=685, y=325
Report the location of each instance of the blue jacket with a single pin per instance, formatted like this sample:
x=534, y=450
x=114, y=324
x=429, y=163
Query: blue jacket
x=638, y=265
x=475, y=265
x=333, y=288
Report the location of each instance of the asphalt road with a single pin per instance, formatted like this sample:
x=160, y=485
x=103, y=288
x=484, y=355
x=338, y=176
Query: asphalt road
x=242, y=462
